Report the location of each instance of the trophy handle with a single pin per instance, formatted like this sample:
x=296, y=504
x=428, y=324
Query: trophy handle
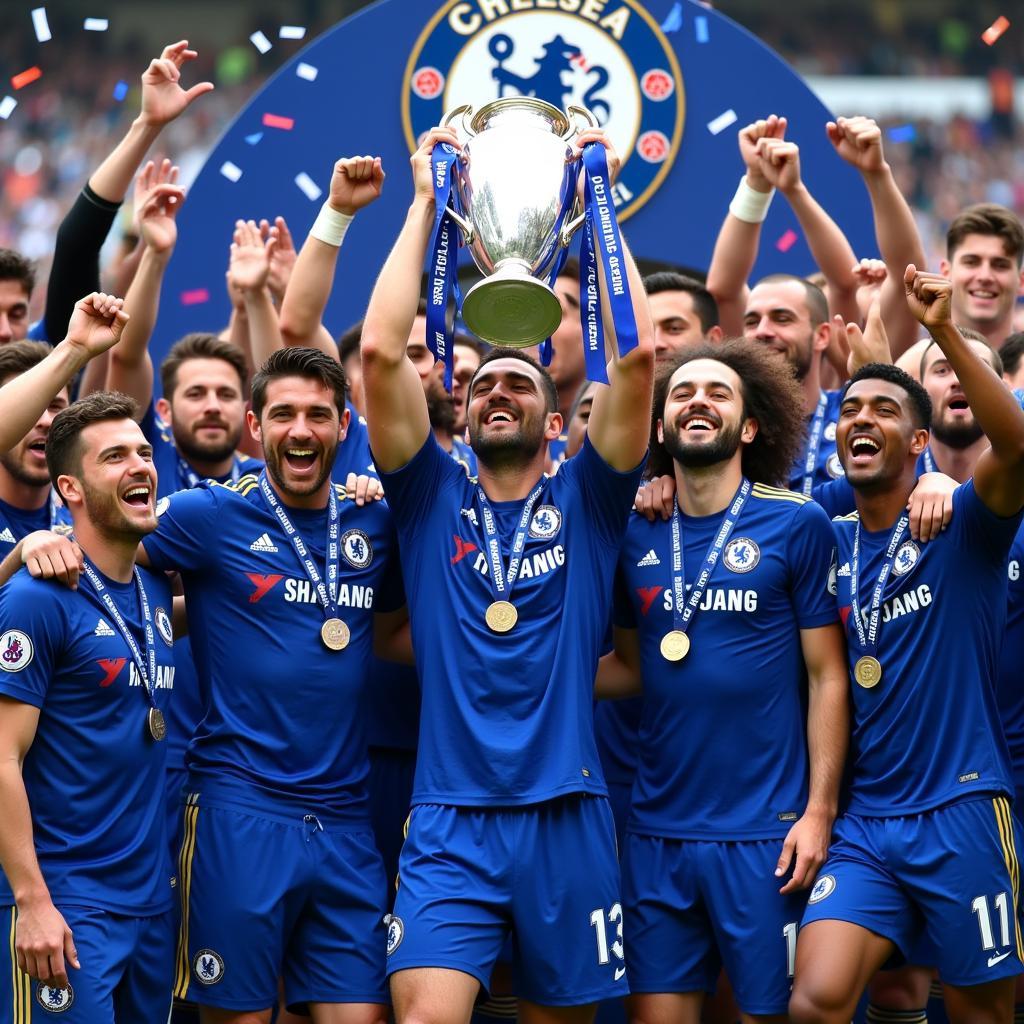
x=464, y=112
x=574, y=110
x=570, y=229
x=468, y=234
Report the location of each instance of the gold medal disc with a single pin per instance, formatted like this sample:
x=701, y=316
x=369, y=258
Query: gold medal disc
x=501, y=616
x=156, y=723
x=675, y=645
x=335, y=635
x=867, y=671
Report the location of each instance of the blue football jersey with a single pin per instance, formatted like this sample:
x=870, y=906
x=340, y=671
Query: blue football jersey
x=353, y=454
x=1009, y=688
x=826, y=464
x=507, y=719
x=285, y=716
x=16, y=523
x=929, y=731
x=93, y=774
x=464, y=455
x=722, y=751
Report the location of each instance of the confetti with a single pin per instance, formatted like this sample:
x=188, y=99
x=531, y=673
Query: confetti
x=291, y=32
x=700, y=28
x=720, y=123
x=230, y=171
x=674, y=21
x=120, y=91
x=194, y=297
x=277, y=121
x=308, y=186
x=41, y=25
x=7, y=105
x=96, y=24
x=26, y=78
x=995, y=30
x=307, y=71
x=254, y=138
x=787, y=241
x=260, y=41
x=902, y=133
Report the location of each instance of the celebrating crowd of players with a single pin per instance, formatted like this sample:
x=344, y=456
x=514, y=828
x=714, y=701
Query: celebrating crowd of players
x=267, y=739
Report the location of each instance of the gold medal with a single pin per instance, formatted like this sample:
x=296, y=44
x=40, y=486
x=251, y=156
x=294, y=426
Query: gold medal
x=867, y=671
x=156, y=723
x=675, y=645
x=335, y=634
x=501, y=616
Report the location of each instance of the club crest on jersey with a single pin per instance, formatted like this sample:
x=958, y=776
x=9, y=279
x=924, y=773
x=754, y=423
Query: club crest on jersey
x=823, y=888
x=54, y=1000
x=834, y=467
x=741, y=554
x=830, y=431
x=609, y=56
x=16, y=650
x=356, y=547
x=163, y=626
x=208, y=967
x=162, y=506
x=396, y=932
x=906, y=558
x=546, y=522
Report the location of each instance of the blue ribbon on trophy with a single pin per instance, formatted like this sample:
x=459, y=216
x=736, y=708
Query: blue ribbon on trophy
x=444, y=244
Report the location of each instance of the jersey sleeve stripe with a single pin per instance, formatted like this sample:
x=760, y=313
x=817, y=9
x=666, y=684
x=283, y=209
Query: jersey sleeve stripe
x=1004, y=822
x=778, y=494
x=188, y=849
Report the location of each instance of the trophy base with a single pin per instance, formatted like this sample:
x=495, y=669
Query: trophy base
x=511, y=309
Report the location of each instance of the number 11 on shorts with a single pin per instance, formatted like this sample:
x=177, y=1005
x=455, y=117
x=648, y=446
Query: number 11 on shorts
x=980, y=907
x=597, y=921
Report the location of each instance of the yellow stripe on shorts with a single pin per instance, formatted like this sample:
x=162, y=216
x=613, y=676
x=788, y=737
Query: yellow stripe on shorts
x=188, y=849
x=21, y=983
x=1004, y=822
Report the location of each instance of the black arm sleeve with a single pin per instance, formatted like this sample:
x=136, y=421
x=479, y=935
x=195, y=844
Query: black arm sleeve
x=76, y=259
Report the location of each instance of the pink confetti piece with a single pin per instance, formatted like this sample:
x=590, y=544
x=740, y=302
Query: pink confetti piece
x=787, y=241
x=277, y=121
x=195, y=297
x=995, y=30
x=19, y=81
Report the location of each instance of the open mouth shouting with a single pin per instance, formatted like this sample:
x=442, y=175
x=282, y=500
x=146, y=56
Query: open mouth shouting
x=862, y=448
x=698, y=423
x=300, y=460
x=138, y=496
x=499, y=415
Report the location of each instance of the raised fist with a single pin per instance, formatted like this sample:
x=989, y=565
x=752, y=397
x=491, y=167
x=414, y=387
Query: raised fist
x=356, y=182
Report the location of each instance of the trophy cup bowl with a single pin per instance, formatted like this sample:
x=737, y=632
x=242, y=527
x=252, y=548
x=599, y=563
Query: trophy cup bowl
x=516, y=185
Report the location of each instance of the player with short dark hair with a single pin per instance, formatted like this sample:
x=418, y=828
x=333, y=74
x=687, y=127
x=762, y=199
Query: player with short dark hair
x=1012, y=354
x=923, y=859
x=683, y=310
x=85, y=681
x=17, y=280
x=509, y=582
x=745, y=569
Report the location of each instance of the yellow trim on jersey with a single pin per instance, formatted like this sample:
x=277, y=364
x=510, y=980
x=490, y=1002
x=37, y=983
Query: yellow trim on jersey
x=778, y=494
x=188, y=849
x=1004, y=822
x=243, y=485
x=850, y=517
x=21, y=983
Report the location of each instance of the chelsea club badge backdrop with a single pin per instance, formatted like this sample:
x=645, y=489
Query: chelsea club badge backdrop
x=670, y=80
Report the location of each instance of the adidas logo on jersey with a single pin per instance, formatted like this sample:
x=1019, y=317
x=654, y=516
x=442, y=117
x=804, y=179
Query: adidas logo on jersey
x=844, y=569
x=102, y=629
x=263, y=543
x=651, y=558
x=7, y=537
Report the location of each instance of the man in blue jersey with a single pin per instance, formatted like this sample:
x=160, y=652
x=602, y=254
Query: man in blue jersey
x=283, y=578
x=17, y=280
x=726, y=616
x=508, y=789
x=924, y=856
x=85, y=680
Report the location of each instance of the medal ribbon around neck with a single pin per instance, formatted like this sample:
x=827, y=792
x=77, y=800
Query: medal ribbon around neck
x=502, y=580
x=192, y=479
x=146, y=667
x=683, y=608
x=929, y=461
x=814, y=445
x=326, y=594
x=867, y=638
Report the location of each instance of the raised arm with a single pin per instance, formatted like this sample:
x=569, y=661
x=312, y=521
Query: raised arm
x=159, y=198
x=999, y=474
x=248, y=276
x=396, y=407
x=96, y=324
x=355, y=183
x=858, y=140
x=740, y=235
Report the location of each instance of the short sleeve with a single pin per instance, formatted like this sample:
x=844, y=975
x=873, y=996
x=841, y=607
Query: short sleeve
x=836, y=497
x=412, y=490
x=975, y=527
x=186, y=522
x=32, y=632
x=811, y=550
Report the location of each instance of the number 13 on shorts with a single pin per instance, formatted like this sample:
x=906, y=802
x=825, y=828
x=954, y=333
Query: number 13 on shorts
x=600, y=920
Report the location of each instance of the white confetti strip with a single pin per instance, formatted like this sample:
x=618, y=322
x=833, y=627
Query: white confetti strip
x=95, y=24
x=309, y=186
x=307, y=71
x=41, y=25
x=260, y=41
x=720, y=123
x=7, y=105
x=291, y=32
x=230, y=171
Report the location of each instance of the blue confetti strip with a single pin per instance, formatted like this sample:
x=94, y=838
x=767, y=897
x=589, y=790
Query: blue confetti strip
x=902, y=133
x=674, y=21
x=120, y=91
x=254, y=138
x=700, y=28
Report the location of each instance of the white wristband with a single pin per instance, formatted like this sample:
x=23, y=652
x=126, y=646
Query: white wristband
x=750, y=205
x=330, y=226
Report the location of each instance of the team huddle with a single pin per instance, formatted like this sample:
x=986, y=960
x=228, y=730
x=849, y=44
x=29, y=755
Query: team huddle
x=327, y=691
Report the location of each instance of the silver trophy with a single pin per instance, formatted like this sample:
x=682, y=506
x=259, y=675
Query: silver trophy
x=516, y=185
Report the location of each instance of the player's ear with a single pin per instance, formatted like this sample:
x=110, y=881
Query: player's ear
x=254, y=426
x=70, y=489
x=346, y=418
x=749, y=431
x=714, y=335
x=660, y=430
x=553, y=430
x=919, y=441
x=163, y=409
